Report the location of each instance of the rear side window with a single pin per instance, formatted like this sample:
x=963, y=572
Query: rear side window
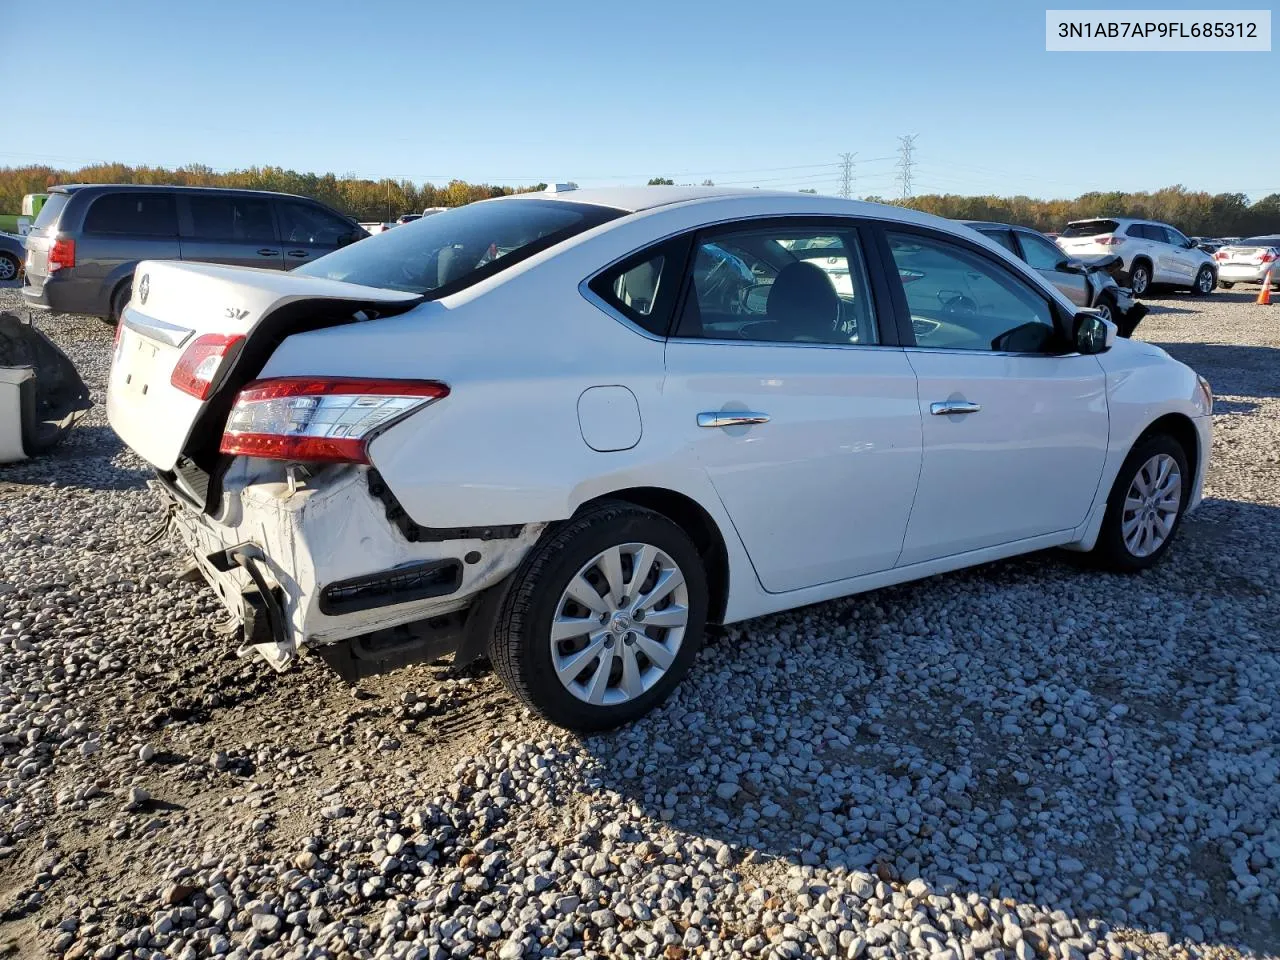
x=231, y=218
x=1090, y=228
x=1002, y=237
x=48, y=214
x=137, y=214
x=441, y=254
x=644, y=287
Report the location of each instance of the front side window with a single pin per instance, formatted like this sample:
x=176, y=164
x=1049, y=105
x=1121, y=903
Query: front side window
x=1176, y=238
x=137, y=214
x=959, y=300
x=304, y=223
x=780, y=284
x=1039, y=252
x=231, y=218
x=440, y=254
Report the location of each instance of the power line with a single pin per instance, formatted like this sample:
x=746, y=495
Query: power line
x=905, y=162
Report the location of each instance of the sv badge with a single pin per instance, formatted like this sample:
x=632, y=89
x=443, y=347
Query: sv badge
x=234, y=313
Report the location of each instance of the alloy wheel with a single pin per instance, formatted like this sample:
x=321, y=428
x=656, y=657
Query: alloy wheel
x=8, y=268
x=619, y=624
x=1206, y=281
x=1140, y=281
x=1151, y=506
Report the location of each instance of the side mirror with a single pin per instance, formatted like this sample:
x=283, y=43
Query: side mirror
x=1068, y=265
x=1093, y=334
x=1190, y=244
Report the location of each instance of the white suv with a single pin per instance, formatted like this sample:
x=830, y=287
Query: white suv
x=1152, y=252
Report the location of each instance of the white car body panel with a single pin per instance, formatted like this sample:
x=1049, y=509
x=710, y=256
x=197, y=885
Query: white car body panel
x=555, y=401
x=1026, y=465
x=204, y=297
x=11, y=380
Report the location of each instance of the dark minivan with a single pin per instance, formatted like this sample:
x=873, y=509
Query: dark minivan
x=88, y=238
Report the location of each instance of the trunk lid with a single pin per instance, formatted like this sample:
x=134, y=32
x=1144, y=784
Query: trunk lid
x=173, y=305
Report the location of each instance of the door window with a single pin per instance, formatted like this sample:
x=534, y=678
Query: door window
x=1002, y=237
x=960, y=300
x=1176, y=238
x=138, y=214
x=780, y=284
x=1039, y=252
x=232, y=218
x=303, y=223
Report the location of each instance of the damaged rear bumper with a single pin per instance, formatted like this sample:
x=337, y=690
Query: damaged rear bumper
x=317, y=563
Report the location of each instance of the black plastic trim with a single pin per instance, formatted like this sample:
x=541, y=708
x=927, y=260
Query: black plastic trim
x=415, y=533
x=402, y=584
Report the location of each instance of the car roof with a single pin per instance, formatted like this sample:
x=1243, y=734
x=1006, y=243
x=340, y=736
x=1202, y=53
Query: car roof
x=148, y=187
x=976, y=224
x=635, y=199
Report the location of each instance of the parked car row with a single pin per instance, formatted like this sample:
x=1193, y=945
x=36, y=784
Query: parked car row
x=88, y=238
x=1151, y=252
x=1086, y=283
x=570, y=429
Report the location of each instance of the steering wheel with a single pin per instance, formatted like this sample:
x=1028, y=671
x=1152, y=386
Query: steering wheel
x=956, y=304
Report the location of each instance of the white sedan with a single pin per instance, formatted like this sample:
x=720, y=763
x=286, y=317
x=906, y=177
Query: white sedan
x=569, y=430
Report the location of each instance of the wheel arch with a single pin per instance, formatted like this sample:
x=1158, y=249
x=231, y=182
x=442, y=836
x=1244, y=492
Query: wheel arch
x=701, y=528
x=1180, y=427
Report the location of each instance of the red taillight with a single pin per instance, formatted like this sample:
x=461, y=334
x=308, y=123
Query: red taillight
x=1269, y=256
x=1221, y=255
x=320, y=419
x=62, y=255
x=199, y=364
x=1109, y=241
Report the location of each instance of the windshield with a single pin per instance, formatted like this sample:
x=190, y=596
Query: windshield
x=444, y=253
x=48, y=214
x=1090, y=228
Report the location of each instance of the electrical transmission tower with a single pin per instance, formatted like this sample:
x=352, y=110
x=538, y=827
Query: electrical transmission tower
x=905, y=163
x=846, y=174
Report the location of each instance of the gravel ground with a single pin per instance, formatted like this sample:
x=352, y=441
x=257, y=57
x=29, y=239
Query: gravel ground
x=1024, y=760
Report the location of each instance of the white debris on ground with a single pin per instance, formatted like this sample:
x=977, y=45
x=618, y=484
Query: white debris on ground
x=1025, y=760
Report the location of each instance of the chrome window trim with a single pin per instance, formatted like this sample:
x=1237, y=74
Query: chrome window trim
x=153, y=329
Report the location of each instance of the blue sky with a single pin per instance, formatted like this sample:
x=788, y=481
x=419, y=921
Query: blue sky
x=746, y=91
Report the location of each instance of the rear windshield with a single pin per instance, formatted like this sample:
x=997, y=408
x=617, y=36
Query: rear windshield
x=48, y=214
x=439, y=255
x=1258, y=242
x=1090, y=228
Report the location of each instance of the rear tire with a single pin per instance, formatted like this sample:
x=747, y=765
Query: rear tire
x=1145, y=507
x=636, y=664
x=1140, y=278
x=1225, y=284
x=10, y=267
x=119, y=300
x=1204, y=283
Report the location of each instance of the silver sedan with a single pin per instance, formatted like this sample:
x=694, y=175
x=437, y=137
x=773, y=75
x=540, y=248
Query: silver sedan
x=1247, y=261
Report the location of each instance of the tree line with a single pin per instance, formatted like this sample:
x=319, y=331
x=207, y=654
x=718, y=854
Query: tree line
x=359, y=198
x=1195, y=213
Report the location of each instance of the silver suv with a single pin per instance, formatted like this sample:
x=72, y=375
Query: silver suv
x=1153, y=253
x=88, y=238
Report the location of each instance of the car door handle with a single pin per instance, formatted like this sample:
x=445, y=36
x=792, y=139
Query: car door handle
x=724, y=418
x=268, y=252
x=945, y=408
x=297, y=253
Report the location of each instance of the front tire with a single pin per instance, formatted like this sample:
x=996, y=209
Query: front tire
x=1205, y=282
x=1146, y=505
x=1140, y=278
x=603, y=619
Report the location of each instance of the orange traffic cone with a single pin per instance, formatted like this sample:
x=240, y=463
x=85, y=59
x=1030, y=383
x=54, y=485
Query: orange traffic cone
x=1264, y=297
